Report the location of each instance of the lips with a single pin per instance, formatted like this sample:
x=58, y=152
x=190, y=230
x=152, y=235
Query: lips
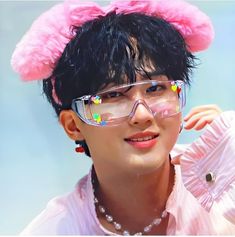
x=142, y=140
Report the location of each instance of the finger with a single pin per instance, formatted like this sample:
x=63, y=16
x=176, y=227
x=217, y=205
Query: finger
x=204, y=121
x=195, y=118
x=202, y=108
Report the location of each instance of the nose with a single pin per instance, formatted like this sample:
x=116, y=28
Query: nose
x=141, y=114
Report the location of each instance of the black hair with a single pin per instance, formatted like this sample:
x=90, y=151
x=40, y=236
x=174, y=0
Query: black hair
x=113, y=48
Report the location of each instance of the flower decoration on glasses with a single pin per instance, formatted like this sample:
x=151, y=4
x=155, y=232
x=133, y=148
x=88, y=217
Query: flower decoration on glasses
x=96, y=100
x=98, y=120
x=97, y=117
x=176, y=86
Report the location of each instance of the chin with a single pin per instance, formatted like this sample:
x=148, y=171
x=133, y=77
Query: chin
x=147, y=163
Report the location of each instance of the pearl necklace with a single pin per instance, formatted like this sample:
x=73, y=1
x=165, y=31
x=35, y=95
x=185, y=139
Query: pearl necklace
x=118, y=226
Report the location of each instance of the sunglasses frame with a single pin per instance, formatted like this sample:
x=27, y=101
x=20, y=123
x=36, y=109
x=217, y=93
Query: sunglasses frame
x=78, y=104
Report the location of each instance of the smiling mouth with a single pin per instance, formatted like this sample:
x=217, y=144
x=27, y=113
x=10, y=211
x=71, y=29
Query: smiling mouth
x=142, y=139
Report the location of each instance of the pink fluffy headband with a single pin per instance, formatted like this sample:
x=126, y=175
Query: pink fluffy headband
x=41, y=47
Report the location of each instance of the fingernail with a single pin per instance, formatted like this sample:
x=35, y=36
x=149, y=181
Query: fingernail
x=186, y=126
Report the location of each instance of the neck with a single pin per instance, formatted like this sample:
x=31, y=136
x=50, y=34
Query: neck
x=135, y=199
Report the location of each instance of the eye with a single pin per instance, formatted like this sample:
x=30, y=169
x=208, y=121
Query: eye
x=113, y=94
x=156, y=88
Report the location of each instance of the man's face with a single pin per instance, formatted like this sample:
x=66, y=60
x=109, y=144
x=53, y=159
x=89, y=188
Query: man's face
x=138, y=145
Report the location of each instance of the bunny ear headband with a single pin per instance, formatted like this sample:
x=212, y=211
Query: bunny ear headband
x=37, y=53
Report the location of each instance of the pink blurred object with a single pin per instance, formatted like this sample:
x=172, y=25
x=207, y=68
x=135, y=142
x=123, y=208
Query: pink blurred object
x=38, y=52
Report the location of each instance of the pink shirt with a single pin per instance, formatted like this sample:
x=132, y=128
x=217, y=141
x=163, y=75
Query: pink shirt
x=195, y=206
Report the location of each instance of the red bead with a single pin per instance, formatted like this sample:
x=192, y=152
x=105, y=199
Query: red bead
x=79, y=149
x=178, y=90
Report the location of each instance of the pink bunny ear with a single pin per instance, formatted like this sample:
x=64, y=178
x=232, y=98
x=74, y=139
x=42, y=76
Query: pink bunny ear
x=193, y=24
x=78, y=12
x=41, y=47
x=38, y=52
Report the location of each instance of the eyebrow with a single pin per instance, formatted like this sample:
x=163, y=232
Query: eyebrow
x=149, y=75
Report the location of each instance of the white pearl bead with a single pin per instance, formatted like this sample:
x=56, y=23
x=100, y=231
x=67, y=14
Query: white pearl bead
x=147, y=228
x=138, y=233
x=101, y=209
x=125, y=232
x=117, y=226
x=109, y=218
x=157, y=221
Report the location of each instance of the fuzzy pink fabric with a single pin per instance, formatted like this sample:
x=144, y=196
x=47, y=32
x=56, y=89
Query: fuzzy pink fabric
x=38, y=51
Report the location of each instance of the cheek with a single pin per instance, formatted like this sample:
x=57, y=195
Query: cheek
x=101, y=140
x=170, y=130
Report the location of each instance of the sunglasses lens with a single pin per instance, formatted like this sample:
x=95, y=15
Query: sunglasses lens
x=163, y=99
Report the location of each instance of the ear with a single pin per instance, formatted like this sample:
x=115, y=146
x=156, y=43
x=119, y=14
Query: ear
x=70, y=122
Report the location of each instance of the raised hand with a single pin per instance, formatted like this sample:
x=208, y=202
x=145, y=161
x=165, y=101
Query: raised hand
x=200, y=116
x=197, y=119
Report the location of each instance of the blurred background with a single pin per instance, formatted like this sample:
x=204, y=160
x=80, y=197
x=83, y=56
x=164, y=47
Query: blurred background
x=37, y=160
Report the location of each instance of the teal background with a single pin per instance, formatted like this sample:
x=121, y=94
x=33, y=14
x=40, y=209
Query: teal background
x=37, y=160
